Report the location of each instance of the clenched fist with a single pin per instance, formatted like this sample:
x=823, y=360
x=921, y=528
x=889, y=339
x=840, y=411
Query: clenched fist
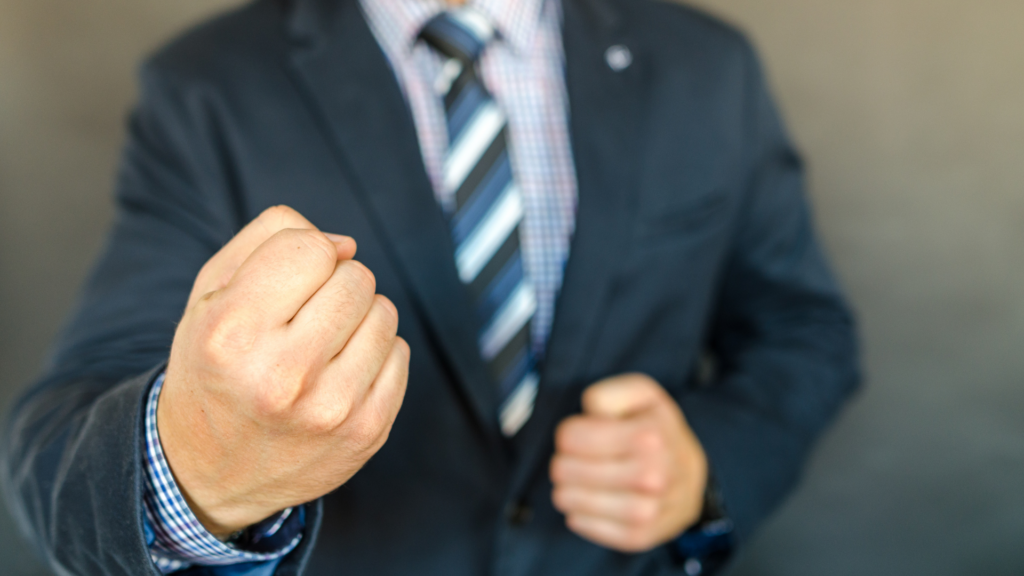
x=629, y=473
x=285, y=374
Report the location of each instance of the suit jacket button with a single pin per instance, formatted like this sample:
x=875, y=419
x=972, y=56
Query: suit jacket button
x=518, y=513
x=618, y=57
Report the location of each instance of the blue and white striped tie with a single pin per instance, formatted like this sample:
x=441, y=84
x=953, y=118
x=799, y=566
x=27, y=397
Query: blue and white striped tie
x=488, y=211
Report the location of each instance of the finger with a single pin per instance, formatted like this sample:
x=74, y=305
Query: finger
x=628, y=508
x=379, y=408
x=346, y=245
x=279, y=277
x=620, y=474
x=589, y=437
x=622, y=396
x=607, y=533
x=388, y=390
x=217, y=272
x=329, y=318
x=346, y=380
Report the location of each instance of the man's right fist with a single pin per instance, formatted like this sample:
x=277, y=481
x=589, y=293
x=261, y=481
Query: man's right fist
x=285, y=374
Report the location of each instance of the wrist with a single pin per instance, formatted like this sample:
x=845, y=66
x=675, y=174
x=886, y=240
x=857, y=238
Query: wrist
x=185, y=447
x=220, y=516
x=222, y=524
x=177, y=538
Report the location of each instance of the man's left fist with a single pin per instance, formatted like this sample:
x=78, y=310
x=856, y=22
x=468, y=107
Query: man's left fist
x=629, y=473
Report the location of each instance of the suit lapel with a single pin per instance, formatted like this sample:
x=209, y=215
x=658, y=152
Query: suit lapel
x=606, y=117
x=605, y=108
x=353, y=89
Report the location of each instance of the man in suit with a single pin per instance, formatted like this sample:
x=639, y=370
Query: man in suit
x=618, y=335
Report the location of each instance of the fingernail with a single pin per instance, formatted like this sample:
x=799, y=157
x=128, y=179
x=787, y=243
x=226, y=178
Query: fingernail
x=338, y=238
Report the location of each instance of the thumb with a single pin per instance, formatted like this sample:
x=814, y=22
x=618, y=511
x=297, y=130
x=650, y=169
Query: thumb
x=622, y=396
x=217, y=272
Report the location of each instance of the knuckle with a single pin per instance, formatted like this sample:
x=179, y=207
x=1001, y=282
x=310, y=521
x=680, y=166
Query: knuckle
x=278, y=216
x=389, y=309
x=325, y=420
x=557, y=470
x=652, y=480
x=343, y=301
x=227, y=336
x=279, y=386
x=561, y=438
x=340, y=412
x=270, y=404
x=402, y=347
x=383, y=436
x=644, y=382
x=648, y=440
x=353, y=288
x=350, y=294
x=204, y=277
x=565, y=435
x=397, y=383
x=642, y=513
x=386, y=330
x=379, y=341
x=366, y=433
x=275, y=399
x=363, y=278
x=381, y=329
x=592, y=395
x=377, y=442
x=322, y=251
x=559, y=499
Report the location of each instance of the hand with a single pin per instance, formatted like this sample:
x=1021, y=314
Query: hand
x=285, y=373
x=628, y=473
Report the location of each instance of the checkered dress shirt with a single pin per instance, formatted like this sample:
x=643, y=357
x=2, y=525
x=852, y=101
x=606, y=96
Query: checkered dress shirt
x=524, y=71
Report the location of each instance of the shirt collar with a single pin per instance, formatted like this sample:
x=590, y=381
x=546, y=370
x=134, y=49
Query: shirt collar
x=516, y=20
x=401, y=20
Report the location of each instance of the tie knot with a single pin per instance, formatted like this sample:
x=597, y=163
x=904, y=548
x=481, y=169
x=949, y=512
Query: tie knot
x=460, y=34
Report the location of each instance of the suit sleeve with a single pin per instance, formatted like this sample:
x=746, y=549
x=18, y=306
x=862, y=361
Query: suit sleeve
x=72, y=455
x=782, y=338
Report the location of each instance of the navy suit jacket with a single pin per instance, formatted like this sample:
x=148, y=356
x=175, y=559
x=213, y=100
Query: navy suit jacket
x=694, y=260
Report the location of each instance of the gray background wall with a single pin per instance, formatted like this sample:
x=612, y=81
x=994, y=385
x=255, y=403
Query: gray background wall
x=911, y=113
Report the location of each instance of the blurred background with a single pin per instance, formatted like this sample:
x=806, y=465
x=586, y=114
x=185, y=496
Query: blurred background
x=911, y=115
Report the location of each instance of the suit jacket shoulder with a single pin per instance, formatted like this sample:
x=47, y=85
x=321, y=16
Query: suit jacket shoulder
x=236, y=48
x=679, y=29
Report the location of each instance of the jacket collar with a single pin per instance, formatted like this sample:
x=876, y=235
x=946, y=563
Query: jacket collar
x=311, y=21
x=516, y=20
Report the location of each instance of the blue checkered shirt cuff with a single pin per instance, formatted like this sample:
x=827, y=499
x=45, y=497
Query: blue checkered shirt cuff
x=178, y=540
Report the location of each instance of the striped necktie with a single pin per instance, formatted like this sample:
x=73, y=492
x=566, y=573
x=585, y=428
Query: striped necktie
x=487, y=213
